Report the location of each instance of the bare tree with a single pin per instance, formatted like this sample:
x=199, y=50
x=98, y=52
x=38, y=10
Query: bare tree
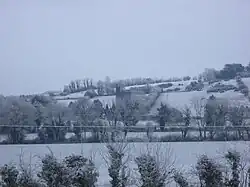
x=26, y=174
x=187, y=120
x=198, y=105
x=16, y=117
x=155, y=166
x=117, y=160
x=236, y=117
x=82, y=110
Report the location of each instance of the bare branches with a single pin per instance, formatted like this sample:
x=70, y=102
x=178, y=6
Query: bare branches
x=155, y=165
x=198, y=104
x=117, y=159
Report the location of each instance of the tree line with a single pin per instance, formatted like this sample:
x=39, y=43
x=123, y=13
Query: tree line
x=106, y=87
x=51, y=121
x=154, y=168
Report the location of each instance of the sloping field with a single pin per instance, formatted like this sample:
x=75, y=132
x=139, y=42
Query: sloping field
x=175, y=99
x=66, y=102
x=180, y=84
x=185, y=154
x=181, y=99
x=246, y=81
x=73, y=95
x=109, y=100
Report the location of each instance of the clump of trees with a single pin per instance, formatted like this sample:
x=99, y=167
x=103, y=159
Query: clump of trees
x=194, y=86
x=79, y=85
x=242, y=86
x=74, y=170
x=219, y=87
x=167, y=114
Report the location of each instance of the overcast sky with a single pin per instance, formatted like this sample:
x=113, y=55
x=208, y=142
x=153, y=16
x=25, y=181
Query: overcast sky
x=46, y=43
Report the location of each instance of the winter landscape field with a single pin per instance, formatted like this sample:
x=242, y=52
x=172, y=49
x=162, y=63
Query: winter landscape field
x=125, y=93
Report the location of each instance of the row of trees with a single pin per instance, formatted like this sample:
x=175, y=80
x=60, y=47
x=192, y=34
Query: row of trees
x=207, y=113
x=155, y=168
x=107, y=87
x=52, y=121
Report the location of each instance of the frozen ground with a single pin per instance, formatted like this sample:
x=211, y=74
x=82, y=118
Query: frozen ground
x=184, y=154
x=109, y=100
x=246, y=81
x=73, y=95
x=181, y=99
x=179, y=84
x=66, y=102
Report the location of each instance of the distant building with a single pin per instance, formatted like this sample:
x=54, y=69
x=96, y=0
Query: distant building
x=125, y=96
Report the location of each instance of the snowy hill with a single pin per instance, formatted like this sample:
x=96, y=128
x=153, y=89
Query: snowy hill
x=173, y=94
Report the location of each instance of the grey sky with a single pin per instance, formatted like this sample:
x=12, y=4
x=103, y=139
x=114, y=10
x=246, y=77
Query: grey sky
x=45, y=44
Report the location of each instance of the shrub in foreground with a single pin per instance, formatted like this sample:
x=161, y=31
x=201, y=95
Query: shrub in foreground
x=73, y=170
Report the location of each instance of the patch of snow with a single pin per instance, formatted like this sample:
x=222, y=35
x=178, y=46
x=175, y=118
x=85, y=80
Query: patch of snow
x=229, y=82
x=180, y=84
x=140, y=135
x=66, y=102
x=73, y=95
x=3, y=137
x=31, y=136
x=145, y=123
x=69, y=135
x=246, y=82
x=76, y=95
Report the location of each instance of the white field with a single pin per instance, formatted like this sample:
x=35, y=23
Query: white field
x=184, y=154
x=73, y=95
x=181, y=99
x=66, y=102
x=246, y=81
x=175, y=85
x=106, y=100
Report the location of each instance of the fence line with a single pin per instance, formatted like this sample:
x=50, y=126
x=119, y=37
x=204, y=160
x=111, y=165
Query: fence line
x=142, y=128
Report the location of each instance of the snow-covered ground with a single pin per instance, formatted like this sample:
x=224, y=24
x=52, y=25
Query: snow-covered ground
x=246, y=81
x=66, y=102
x=184, y=153
x=73, y=95
x=106, y=100
x=175, y=99
x=229, y=82
x=180, y=84
x=181, y=99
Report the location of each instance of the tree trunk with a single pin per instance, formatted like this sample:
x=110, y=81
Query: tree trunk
x=248, y=172
x=248, y=135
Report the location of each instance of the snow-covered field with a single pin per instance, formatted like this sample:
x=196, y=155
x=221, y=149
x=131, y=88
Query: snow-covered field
x=181, y=99
x=106, y=100
x=73, y=95
x=180, y=84
x=246, y=81
x=175, y=99
x=185, y=153
x=66, y=102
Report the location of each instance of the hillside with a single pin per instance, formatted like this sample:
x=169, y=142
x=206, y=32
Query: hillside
x=174, y=95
